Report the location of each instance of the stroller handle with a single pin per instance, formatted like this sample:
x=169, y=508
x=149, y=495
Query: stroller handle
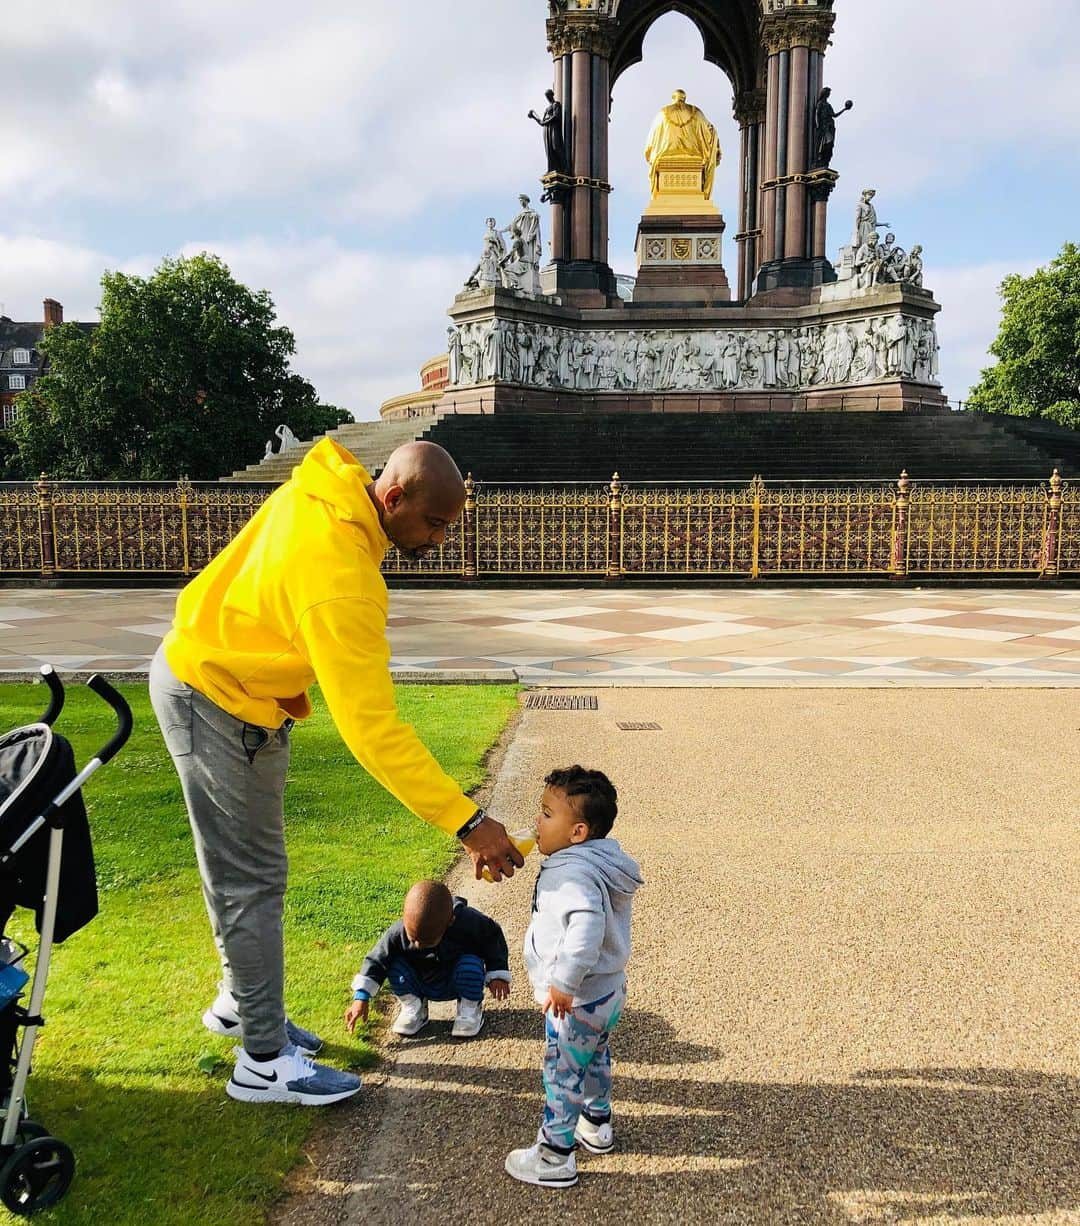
x=123, y=717
x=56, y=694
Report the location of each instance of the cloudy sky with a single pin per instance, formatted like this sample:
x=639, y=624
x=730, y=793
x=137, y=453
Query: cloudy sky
x=343, y=156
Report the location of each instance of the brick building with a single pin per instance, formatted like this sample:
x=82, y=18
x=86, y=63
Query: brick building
x=21, y=359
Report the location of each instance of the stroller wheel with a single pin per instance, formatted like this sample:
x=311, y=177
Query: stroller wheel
x=36, y=1175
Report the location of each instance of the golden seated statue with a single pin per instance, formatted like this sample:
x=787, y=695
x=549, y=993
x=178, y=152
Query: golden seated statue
x=683, y=153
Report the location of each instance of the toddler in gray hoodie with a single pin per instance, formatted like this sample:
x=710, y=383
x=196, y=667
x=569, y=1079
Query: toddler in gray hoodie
x=576, y=950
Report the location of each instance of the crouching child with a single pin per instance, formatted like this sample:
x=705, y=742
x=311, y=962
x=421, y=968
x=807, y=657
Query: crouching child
x=440, y=949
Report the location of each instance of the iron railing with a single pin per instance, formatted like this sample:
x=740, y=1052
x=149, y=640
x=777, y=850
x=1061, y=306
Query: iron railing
x=621, y=529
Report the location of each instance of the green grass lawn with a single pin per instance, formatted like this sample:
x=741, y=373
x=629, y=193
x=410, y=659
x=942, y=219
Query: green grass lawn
x=119, y=1071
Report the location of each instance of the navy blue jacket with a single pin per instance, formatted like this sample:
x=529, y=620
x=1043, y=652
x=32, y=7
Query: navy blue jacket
x=470, y=932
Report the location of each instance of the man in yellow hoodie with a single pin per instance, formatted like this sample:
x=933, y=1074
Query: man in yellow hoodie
x=298, y=598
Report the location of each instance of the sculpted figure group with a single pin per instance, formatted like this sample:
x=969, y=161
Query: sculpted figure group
x=516, y=351
x=515, y=266
x=876, y=262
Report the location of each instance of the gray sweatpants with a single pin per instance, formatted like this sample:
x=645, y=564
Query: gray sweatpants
x=233, y=779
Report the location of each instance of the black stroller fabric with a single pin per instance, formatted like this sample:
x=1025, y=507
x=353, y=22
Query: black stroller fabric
x=49, y=759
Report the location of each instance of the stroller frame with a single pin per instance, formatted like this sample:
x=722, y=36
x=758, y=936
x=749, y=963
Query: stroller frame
x=22, y=1141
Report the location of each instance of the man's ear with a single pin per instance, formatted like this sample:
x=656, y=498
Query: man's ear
x=393, y=497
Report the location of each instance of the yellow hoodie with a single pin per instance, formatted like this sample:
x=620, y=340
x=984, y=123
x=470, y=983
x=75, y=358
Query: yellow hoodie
x=296, y=598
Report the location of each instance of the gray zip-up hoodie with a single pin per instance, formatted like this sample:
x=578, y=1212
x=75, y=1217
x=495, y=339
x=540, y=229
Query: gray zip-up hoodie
x=579, y=937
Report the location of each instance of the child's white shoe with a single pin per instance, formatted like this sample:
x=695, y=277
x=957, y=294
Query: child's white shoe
x=469, y=1020
x=542, y=1166
x=597, y=1138
x=412, y=1017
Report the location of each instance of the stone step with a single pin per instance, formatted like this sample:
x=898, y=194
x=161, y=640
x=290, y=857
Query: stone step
x=369, y=441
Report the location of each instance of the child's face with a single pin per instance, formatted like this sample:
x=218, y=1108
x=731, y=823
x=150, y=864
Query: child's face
x=430, y=940
x=559, y=824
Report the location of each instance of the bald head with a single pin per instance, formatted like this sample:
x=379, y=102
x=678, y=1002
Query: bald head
x=428, y=910
x=423, y=466
x=419, y=494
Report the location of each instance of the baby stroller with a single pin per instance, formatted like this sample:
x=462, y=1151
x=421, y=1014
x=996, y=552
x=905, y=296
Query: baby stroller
x=47, y=865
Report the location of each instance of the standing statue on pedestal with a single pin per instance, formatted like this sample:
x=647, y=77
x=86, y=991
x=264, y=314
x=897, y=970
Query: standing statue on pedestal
x=528, y=222
x=682, y=131
x=453, y=354
x=552, y=123
x=825, y=128
x=866, y=219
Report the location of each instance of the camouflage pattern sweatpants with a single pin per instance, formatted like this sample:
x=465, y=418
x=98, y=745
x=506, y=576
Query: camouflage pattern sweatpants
x=577, y=1067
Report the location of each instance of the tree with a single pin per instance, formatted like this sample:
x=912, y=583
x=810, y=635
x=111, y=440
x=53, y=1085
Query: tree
x=1037, y=346
x=186, y=374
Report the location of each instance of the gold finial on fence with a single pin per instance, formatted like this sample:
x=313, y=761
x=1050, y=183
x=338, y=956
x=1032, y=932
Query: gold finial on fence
x=904, y=484
x=614, y=534
x=1056, y=482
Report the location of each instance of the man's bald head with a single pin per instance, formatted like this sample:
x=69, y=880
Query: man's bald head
x=419, y=494
x=428, y=911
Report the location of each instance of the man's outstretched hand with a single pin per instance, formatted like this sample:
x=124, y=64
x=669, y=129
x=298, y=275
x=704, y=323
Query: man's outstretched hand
x=491, y=849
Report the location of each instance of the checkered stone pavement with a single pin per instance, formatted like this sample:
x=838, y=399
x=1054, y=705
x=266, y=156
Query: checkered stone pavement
x=672, y=637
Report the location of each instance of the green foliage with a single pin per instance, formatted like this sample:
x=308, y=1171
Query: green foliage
x=1038, y=345
x=187, y=374
x=124, y=1072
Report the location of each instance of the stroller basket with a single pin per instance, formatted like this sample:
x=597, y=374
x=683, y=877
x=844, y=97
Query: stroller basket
x=47, y=866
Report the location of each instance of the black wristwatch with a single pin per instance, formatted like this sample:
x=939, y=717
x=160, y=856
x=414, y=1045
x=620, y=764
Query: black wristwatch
x=474, y=821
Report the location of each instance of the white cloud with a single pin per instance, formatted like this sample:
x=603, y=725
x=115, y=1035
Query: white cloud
x=969, y=319
x=388, y=117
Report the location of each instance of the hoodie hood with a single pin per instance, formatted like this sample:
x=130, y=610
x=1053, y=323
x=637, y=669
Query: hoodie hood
x=334, y=476
x=579, y=937
x=603, y=860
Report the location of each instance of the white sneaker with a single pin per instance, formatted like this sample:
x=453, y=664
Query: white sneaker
x=469, y=1020
x=542, y=1166
x=289, y=1078
x=597, y=1138
x=223, y=1018
x=412, y=1017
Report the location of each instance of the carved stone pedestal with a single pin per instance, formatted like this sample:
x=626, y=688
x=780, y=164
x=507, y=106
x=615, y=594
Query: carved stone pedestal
x=680, y=260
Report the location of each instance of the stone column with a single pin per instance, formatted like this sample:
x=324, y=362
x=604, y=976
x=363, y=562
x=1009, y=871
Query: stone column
x=581, y=42
x=750, y=116
x=798, y=148
x=560, y=213
x=601, y=106
x=581, y=155
x=793, y=193
x=768, y=192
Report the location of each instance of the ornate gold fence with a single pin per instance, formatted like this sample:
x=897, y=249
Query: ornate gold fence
x=67, y=530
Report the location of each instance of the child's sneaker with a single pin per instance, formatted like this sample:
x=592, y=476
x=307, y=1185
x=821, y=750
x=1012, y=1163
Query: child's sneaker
x=469, y=1020
x=412, y=1017
x=542, y=1166
x=597, y=1138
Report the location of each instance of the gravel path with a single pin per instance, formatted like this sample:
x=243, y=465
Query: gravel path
x=853, y=993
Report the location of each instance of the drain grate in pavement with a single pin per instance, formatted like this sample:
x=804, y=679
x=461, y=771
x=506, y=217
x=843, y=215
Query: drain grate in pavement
x=630, y=725
x=562, y=702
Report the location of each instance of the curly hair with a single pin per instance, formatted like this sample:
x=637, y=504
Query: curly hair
x=592, y=794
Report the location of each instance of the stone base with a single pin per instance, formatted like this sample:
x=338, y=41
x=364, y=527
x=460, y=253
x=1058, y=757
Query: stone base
x=680, y=260
x=793, y=274
x=886, y=396
x=580, y=283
